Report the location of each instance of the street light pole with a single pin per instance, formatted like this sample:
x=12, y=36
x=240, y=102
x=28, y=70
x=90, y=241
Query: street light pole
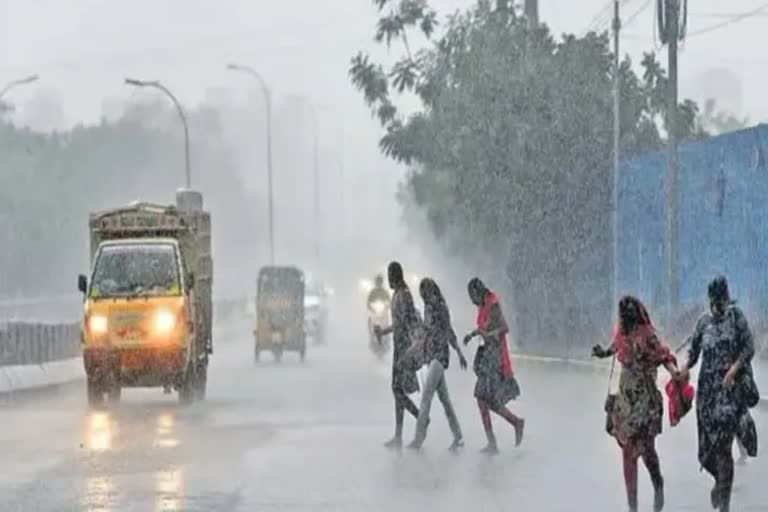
x=22, y=81
x=268, y=100
x=616, y=149
x=158, y=85
x=316, y=177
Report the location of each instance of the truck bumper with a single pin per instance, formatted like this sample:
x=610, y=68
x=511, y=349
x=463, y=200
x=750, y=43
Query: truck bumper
x=136, y=367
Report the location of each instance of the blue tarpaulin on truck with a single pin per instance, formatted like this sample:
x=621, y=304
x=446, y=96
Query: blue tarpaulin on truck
x=722, y=221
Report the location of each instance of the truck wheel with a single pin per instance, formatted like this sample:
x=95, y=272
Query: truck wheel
x=95, y=394
x=115, y=393
x=186, y=393
x=187, y=387
x=278, y=355
x=201, y=381
x=302, y=354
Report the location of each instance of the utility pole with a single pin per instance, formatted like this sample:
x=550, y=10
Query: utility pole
x=316, y=190
x=342, y=183
x=531, y=12
x=316, y=177
x=670, y=31
x=616, y=148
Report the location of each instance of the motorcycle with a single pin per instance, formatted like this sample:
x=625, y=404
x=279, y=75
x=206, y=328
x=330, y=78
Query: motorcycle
x=379, y=315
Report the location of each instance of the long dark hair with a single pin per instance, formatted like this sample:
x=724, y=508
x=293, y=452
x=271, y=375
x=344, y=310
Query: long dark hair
x=632, y=314
x=395, y=275
x=431, y=293
x=477, y=291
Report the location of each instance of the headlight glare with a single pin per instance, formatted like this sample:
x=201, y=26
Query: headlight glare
x=97, y=325
x=366, y=285
x=378, y=307
x=163, y=322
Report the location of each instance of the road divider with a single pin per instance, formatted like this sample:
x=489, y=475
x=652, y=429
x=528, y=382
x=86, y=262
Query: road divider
x=55, y=373
x=36, y=355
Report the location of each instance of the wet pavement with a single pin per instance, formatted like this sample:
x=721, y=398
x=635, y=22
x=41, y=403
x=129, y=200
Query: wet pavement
x=295, y=437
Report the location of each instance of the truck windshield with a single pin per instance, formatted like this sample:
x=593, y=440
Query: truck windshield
x=136, y=270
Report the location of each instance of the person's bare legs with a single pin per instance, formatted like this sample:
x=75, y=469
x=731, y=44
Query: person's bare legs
x=485, y=414
x=513, y=420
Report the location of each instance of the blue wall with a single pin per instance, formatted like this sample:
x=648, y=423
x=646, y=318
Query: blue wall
x=722, y=220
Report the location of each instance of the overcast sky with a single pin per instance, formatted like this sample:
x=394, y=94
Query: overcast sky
x=83, y=48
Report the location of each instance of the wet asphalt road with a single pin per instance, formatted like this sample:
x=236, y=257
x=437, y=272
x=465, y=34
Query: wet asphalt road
x=295, y=437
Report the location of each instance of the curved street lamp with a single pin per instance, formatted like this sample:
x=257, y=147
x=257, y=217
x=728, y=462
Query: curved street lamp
x=157, y=85
x=270, y=192
x=21, y=81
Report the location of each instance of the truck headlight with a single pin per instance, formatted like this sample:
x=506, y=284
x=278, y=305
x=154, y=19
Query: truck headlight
x=163, y=321
x=97, y=325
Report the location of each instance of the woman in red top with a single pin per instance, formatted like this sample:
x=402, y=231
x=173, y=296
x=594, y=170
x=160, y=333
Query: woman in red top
x=639, y=407
x=496, y=384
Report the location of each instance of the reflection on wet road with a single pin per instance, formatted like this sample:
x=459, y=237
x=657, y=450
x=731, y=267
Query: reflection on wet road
x=308, y=437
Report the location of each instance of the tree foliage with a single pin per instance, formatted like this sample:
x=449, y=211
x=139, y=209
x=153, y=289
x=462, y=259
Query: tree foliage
x=717, y=121
x=49, y=182
x=512, y=147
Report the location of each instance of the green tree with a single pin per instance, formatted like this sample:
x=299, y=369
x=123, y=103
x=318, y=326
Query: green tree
x=50, y=182
x=719, y=122
x=510, y=153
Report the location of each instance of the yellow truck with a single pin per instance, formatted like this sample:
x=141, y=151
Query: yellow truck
x=147, y=313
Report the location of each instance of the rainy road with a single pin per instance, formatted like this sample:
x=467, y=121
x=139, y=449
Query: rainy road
x=309, y=437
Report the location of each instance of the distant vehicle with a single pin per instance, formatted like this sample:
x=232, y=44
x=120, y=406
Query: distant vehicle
x=280, y=312
x=147, y=309
x=378, y=309
x=379, y=315
x=316, y=312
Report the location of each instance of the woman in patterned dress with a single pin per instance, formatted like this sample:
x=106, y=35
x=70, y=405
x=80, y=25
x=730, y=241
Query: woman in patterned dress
x=724, y=343
x=496, y=384
x=637, y=413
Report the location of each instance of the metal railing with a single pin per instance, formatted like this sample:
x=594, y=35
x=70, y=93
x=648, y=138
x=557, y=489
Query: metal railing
x=34, y=343
x=25, y=339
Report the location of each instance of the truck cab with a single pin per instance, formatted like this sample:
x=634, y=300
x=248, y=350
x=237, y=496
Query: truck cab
x=147, y=303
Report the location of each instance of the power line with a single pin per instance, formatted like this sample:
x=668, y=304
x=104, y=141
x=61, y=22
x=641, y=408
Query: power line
x=734, y=19
x=637, y=13
x=721, y=14
x=603, y=18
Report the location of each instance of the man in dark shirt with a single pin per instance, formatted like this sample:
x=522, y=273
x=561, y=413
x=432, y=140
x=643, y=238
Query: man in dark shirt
x=405, y=320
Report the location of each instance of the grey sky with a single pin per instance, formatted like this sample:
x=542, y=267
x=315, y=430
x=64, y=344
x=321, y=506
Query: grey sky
x=83, y=48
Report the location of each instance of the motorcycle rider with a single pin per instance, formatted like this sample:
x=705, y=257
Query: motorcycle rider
x=378, y=293
x=380, y=297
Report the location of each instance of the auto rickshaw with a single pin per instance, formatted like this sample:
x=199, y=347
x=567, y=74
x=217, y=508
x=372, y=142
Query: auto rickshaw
x=280, y=312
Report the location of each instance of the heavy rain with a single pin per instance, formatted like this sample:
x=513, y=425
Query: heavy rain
x=346, y=255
